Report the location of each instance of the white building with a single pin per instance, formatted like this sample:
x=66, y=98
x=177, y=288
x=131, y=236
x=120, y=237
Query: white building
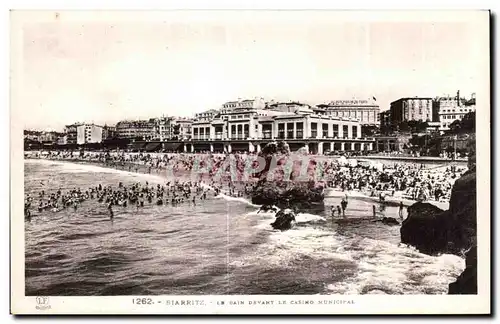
x=247, y=127
x=88, y=133
x=453, y=108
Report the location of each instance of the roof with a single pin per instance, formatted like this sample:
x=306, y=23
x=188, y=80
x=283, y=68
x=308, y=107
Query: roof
x=407, y=98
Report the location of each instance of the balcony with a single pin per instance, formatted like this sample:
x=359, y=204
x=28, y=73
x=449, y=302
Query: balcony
x=239, y=136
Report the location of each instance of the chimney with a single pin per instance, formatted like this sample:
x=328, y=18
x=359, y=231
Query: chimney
x=458, y=97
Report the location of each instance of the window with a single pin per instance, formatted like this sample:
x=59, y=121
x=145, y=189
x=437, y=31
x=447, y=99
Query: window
x=300, y=130
x=267, y=130
x=289, y=130
x=246, y=131
x=325, y=130
x=281, y=131
x=345, y=131
x=314, y=130
x=240, y=131
x=335, y=130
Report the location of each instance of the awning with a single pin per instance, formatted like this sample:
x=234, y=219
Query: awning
x=136, y=146
x=151, y=147
x=173, y=146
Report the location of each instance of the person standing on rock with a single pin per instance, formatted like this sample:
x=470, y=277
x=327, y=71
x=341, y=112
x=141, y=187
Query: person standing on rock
x=401, y=207
x=343, y=203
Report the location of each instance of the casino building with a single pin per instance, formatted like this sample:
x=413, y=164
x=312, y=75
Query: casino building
x=247, y=125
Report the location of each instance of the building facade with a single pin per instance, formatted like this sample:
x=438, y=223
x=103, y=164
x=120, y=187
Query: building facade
x=366, y=111
x=108, y=132
x=454, y=108
x=248, y=128
x=181, y=128
x=256, y=103
x=407, y=109
x=71, y=132
x=83, y=133
x=136, y=129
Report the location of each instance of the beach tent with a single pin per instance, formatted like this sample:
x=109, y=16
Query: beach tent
x=352, y=162
x=342, y=160
x=378, y=165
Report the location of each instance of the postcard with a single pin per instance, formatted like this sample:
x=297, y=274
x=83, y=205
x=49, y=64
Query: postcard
x=250, y=162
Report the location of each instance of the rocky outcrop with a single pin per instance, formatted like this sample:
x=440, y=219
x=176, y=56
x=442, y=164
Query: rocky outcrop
x=462, y=212
x=389, y=221
x=278, y=184
x=432, y=230
x=425, y=228
x=466, y=283
x=286, y=194
x=284, y=220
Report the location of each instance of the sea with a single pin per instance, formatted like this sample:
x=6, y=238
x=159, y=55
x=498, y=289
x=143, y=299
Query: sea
x=220, y=246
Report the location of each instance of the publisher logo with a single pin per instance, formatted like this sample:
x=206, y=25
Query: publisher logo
x=42, y=303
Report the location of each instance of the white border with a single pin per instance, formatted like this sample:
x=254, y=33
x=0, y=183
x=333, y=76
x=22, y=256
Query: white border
x=463, y=302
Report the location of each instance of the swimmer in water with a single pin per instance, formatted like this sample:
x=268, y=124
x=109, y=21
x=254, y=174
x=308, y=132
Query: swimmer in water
x=110, y=209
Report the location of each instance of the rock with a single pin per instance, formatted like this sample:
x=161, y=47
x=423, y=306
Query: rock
x=466, y=283
x=279, y=186
x=425, y=228
x=433, y=231
x=462, y=230
x=284, y=220
x=389, y=221
x=267, y=208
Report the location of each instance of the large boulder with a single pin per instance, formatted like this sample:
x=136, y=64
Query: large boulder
x=280, y=186
x=284, y=219
x=466, y=283
x=286, y=194
x=462, y=229
x=433, y=231
x=425, y=228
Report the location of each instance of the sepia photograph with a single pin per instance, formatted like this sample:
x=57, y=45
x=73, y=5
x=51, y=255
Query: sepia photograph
x=250, y=161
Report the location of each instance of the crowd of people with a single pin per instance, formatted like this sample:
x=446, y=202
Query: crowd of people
x=406, y=180
x=135, y=195
x=410, y=180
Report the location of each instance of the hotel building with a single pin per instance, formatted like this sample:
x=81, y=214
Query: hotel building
x=144, y=129
x=366, y=111
x=83, y=133
x=407, y=109
x=453, y=108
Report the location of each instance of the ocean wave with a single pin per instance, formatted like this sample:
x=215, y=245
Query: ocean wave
x=381, y=267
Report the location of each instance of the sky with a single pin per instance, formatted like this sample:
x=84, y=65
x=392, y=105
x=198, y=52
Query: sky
x=105, y=70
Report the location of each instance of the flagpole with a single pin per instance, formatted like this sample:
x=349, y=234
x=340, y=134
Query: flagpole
x=455, y=147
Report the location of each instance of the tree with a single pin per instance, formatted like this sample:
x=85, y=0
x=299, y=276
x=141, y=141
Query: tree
x=456, y=127
x=369, y=130
x=468, y=123
x=176, y=129
x=404, y=126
